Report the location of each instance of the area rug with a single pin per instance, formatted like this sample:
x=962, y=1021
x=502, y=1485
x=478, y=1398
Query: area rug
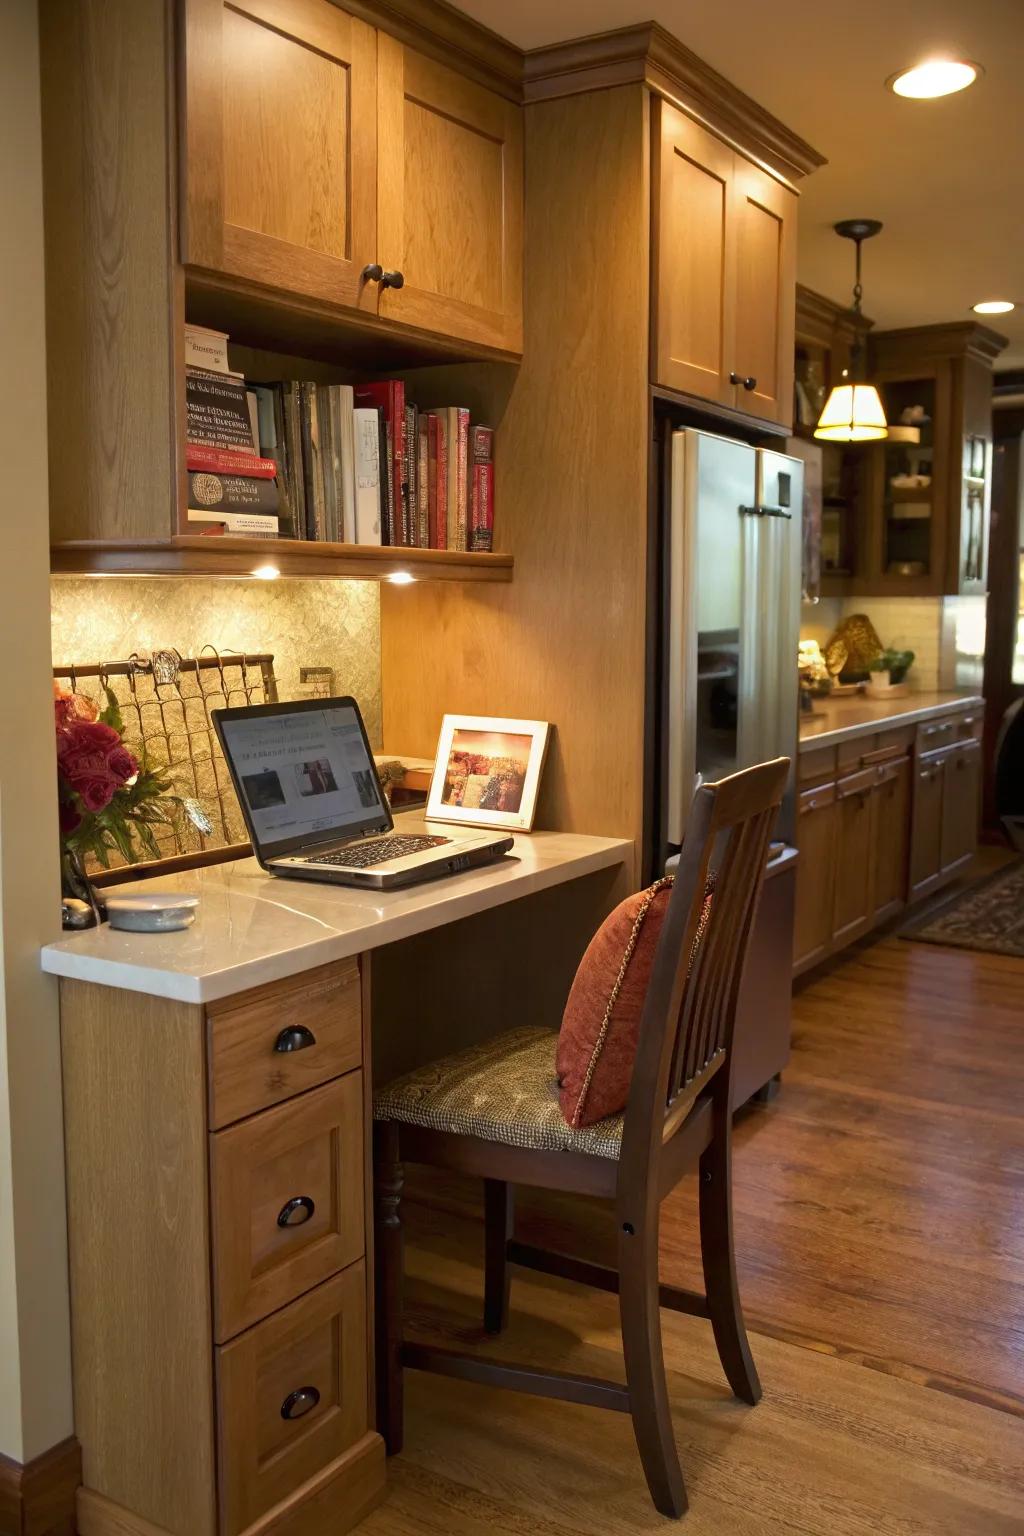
x=989, y=916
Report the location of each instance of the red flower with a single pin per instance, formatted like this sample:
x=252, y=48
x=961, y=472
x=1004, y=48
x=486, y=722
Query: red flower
x=123, y=764
x=91, y=758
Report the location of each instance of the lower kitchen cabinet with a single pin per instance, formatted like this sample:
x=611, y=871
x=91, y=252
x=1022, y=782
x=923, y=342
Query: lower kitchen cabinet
x=890, y=819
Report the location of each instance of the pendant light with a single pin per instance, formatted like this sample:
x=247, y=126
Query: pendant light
x=853, y=412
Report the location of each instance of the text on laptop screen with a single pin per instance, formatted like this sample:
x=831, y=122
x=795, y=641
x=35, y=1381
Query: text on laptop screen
x=305, y=775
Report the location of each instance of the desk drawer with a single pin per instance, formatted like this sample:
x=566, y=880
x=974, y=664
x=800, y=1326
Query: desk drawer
x=291, y=1398
x=286, y=1192
x=267, y=1045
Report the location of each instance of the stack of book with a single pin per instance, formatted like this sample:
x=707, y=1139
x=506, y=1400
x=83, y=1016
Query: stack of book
x=342, y=463
x=232, y=486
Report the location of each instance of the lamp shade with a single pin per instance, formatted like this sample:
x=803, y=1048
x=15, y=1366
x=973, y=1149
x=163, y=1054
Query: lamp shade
x=853, y=413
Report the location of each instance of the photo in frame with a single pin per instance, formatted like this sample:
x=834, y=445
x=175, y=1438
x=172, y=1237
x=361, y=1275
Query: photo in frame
x=487, y=771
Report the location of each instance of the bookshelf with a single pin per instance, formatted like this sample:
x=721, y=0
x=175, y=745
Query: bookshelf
x=200, y=555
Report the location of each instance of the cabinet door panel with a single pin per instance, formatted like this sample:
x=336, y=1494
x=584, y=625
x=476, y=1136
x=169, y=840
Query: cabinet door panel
x=960, y=805
x=280, y=115
x=926, y=832
x=450, y=191
x=890, y=835
x=815, y=875
x=694, y=280
x=765, y=216
x=852, y=911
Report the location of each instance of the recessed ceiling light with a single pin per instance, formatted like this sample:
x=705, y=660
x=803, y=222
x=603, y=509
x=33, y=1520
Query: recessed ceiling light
x=935, y=77
x=993, y=307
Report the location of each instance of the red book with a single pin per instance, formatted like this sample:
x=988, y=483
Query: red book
x=481, y=495
x=437, y=481
x=389, y=396
x=228, y=461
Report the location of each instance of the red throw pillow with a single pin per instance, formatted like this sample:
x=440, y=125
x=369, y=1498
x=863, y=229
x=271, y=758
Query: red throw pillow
x=601, y=1023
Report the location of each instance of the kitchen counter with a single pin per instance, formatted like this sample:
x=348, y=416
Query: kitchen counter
x=253, y=928
x=836, y=720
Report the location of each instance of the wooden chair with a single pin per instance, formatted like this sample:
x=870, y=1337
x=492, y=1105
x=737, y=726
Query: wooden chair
x=493, y=1111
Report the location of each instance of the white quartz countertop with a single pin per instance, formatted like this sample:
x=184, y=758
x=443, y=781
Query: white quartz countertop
x=836, y=720
x=254, y=928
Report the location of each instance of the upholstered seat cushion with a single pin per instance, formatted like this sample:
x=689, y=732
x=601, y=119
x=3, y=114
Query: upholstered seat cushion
x=502, y=1090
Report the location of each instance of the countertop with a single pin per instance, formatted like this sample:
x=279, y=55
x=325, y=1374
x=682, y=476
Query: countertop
x=253, y=928
x=836, y=720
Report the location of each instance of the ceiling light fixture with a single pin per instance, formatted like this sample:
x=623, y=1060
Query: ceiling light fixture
x=853, y=412
x=935, y=77
x=993, y=307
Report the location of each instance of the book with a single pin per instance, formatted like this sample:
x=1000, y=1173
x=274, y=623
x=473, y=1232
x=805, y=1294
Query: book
x=206, y=349
x=311, y=467
x=481, y=489
x=328, y=466
x=343, y=408
x=231, y=493
x=437, y=461
x=389, y=395
x=368, y=490
x=228, y=461
x=241, y=524
x=411, y=483
x=458, y=498
x=292, y=404
x=422, y=481
x=217, y=411
x=273, y=447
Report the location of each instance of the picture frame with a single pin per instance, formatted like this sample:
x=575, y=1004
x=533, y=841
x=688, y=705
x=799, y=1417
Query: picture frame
x=487, y=771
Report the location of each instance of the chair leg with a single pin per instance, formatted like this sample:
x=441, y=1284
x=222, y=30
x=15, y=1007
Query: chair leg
x=719, y=1260
x=645, y=1368
x=498, y=1223
x=388, y=1246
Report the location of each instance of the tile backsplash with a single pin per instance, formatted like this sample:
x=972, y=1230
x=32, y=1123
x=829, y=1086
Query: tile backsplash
x=332, y=624
x=946, y=634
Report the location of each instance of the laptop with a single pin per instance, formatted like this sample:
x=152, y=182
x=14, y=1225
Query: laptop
x=312, y=801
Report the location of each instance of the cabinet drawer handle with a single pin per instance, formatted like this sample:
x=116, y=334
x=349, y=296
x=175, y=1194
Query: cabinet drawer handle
x=302, y=1401
x=967, y=720
x=734, y=378
x=375, y=273
x=296, y=1212
x=749, y=384
x=297, y=1038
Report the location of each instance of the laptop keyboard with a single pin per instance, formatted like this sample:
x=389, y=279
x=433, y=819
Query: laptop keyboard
x=379, y=851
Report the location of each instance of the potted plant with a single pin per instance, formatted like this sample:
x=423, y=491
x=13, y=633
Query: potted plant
x=110, y=798
x=888, y=673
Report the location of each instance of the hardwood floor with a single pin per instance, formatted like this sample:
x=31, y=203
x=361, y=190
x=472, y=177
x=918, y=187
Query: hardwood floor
x=880, y=1221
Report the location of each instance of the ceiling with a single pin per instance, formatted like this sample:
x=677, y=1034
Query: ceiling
x=946, y=177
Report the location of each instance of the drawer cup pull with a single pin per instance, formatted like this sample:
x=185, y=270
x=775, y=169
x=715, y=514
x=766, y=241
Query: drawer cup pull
x=298, y=1038
x=296, y=1212
x=300, y=1402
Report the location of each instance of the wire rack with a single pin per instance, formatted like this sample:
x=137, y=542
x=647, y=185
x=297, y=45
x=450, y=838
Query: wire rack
x=165, y=701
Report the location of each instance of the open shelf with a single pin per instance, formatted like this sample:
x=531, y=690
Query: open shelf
x=205, y=555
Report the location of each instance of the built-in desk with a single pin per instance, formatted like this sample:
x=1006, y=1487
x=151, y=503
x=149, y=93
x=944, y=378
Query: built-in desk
x=217, y=1110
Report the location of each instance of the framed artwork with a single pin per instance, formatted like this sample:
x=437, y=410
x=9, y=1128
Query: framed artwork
x=487, y=771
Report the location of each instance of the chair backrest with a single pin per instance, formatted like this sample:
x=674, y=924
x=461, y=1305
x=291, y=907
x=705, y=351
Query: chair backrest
x=689, y=1013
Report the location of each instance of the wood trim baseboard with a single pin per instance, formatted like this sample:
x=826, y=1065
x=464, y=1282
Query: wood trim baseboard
x=648, y=54
x=37, y=1498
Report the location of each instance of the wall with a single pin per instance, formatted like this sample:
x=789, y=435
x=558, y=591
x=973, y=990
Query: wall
x=303, y=623
x=35, y=1377
x=946, y=634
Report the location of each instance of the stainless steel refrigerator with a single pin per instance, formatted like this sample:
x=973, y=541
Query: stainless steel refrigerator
x=732, y=584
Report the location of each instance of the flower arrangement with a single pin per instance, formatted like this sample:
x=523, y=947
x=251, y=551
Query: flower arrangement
x=110, y=798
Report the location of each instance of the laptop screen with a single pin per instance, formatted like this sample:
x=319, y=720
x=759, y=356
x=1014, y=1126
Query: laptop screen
x=305, y=774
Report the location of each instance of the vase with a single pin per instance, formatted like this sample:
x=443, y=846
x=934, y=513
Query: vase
x=80, y=906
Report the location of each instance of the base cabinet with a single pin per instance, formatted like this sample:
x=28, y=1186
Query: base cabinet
x=888, y=820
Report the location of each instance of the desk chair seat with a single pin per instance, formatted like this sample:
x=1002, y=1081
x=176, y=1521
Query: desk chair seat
x=493, y=1111
x=504, y=1090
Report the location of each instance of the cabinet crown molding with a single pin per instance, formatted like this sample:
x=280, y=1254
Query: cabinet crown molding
x=649, y=55
x=819, y=318
x=959, y=338
x=450, y=36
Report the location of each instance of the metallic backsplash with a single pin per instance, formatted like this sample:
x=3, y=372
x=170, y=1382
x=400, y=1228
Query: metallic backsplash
x=304, y=623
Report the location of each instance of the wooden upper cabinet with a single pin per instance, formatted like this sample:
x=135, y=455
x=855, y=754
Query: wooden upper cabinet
x=694, y=281
x=281, y=146
x=724, y=280
x=765, y=215
x=449, y=200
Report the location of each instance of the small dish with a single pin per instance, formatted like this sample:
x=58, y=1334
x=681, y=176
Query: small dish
x=152, y=911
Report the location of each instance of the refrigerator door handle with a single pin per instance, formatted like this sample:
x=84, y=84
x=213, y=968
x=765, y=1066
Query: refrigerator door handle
x=765, y=512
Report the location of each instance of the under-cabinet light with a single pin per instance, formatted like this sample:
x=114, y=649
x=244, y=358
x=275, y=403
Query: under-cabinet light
x=402, y=578
x=266, y=573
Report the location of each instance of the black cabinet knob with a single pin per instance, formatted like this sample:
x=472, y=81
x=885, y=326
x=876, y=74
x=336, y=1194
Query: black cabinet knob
x=734, y=378
x=298, y=1038
x=296, y=1212
x=388, y=278
x=749, y=383
x=299, y=1402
